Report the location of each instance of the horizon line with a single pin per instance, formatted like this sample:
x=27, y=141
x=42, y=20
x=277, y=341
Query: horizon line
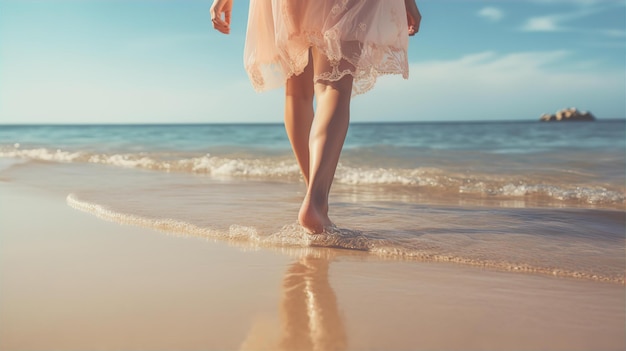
x=281, y=123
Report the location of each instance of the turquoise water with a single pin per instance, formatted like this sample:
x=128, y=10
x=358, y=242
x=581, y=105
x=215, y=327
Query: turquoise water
x=493, y=137
x=522, y=196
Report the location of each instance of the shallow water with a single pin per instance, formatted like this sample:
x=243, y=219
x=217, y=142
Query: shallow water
x=522, y=196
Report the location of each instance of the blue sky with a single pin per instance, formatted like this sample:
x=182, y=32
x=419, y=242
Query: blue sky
x=160, y=61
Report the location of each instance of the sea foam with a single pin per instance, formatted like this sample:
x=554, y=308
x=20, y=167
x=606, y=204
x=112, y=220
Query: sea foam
x=294, y=236
x=424, y=179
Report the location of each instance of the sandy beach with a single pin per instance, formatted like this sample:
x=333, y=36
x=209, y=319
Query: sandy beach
x=70, y=281
x=467, y=173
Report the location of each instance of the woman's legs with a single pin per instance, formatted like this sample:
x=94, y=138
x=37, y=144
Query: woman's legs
x=317, y=137
x=327, y=135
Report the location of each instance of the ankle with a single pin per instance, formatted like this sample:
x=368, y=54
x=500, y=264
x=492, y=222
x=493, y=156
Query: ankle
x=318, y=200
x=313, y=214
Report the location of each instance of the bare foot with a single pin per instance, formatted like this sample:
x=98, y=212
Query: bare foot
x=314, y=218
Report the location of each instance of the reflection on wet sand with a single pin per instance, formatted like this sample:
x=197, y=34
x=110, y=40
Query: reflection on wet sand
x=309, y=316
x=309, y=313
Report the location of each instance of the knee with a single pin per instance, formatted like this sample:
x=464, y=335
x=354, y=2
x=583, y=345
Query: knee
x=300, y=89
x=341, y=88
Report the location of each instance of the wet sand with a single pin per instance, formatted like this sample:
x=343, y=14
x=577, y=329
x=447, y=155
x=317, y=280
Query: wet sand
x=69, y=281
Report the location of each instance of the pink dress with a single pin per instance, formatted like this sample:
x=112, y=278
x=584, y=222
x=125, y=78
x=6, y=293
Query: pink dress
x=363, y=38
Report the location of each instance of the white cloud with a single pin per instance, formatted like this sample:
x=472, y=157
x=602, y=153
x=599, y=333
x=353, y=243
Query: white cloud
x=542, y=24
x=555, y=22
x=494, y=86
x=616, y=33
x=576, y=2
x=559, y=22
x=491, y=13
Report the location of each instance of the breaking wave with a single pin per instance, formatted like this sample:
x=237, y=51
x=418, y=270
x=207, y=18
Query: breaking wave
x=277, y=168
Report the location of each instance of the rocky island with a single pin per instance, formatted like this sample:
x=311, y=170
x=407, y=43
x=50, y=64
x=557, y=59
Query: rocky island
x=568, y=114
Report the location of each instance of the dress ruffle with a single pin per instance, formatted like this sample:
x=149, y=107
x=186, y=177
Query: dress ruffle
x=363, y=38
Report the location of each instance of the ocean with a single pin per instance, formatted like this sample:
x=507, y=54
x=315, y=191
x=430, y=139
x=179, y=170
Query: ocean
x=523, y=196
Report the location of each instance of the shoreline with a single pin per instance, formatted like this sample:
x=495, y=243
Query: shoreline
x=71, y=281
x=239, y=236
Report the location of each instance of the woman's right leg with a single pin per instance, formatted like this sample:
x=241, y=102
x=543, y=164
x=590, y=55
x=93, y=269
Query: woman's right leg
x=328, y=133
x=299, y=115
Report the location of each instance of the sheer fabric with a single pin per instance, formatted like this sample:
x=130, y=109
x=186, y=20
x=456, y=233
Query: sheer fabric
x=363, y=38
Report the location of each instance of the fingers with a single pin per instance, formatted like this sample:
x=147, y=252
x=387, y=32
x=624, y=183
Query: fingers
x=227, y=17
x=221, y=25
x=221, y=8
x=413, y=16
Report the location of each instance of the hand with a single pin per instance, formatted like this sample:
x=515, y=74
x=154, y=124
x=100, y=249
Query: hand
x=413, y=16
x=218, y=8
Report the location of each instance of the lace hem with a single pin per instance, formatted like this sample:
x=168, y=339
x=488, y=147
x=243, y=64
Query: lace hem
x=372, y=63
